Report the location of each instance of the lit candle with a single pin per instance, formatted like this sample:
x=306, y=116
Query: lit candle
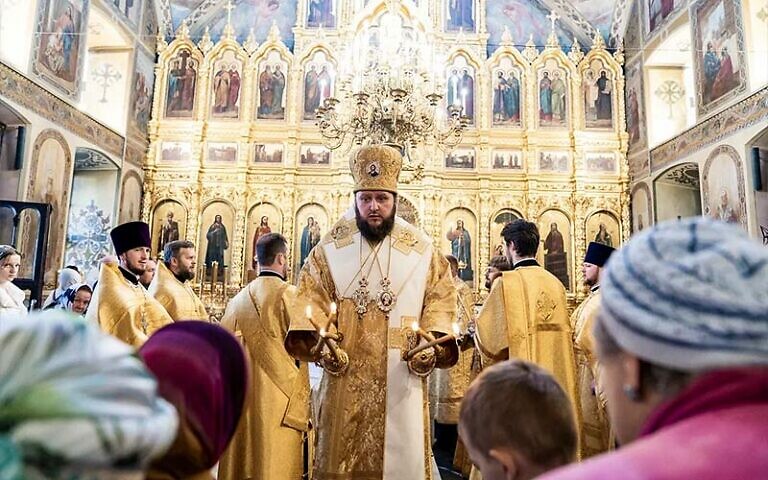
x=331, y=317
x=214, y=275
x=432, y=343
x=308, y=312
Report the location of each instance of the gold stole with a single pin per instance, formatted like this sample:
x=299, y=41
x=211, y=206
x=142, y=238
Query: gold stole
x=176, y=297
x=125, y=310
x=274, y=361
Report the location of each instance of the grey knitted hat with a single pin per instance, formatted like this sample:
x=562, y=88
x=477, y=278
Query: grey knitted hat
x=689, y=295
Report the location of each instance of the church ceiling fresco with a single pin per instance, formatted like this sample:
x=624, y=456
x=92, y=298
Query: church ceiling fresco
x=522, y=17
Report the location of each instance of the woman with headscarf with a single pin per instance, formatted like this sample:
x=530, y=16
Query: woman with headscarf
x=76, y=299
x=76, y=403
x=682, y=339
x=68, y=276
x=11, y=296
x=202, y=371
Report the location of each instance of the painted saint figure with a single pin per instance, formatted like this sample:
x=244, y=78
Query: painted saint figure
x=545, y=98
x=559, y=109
x=321, y=14
x=261, y=230
x=506, y=98
x=218, y=241
x=311, y=93
x=461, y=15
x=461, y=248
x=603, y=107
x=169, y=231
x=555, y=260
x=310, y=237
x=603, y=236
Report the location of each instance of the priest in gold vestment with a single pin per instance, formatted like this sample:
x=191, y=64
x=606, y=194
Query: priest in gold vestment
x=392, y=289
x=450, y=384
x=120, y=305
x=269, y=440
x=593, y=419
x=170, y=285
x=526, y=315
x=447, y=386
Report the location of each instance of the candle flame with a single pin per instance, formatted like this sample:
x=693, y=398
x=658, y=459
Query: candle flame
x=308, y=311
x=333, y=308
x=322, y=332
x=415, y=326
x=456, y=329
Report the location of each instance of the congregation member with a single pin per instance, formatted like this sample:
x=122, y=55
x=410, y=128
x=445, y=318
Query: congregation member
x=149, y=273
x=517, y=423
x=496, y=266
x=447, y=386
x=526, y=314
x=202, y=371
x=68, y=276
x=76, y=403
x=171, y=283
x=593, y=422
x=11, y=296
x=76, y=299
x=120, y=304
x=387, y=279
x=270, y=437
x=682, y=342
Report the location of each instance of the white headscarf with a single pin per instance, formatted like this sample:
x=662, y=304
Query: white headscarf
x=74, y=400
x=67, y=278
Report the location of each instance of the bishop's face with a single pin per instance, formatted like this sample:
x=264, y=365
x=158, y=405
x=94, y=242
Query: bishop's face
x=375, y=213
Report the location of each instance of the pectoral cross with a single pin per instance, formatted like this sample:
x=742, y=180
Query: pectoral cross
x=553, y=17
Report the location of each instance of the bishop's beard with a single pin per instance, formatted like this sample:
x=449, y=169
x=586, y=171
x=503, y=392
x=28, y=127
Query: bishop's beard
x=378, y=233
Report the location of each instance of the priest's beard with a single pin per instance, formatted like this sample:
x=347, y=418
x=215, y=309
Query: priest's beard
x=378, y=233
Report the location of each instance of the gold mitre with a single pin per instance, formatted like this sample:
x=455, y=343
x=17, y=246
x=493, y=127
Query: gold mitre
x=376, y=167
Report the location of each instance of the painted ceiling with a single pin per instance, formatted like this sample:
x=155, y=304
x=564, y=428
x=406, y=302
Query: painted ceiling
x=523, y=18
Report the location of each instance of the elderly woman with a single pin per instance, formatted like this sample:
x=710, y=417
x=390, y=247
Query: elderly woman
x=68, y=276
x=201, y=369
x=76, y=403
x=11, y=296
x=682, y=338
x=76, y=299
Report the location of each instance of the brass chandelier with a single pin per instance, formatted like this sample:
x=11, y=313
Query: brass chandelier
x=389, y=93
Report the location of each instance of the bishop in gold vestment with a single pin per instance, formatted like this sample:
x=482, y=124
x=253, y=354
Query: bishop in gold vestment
x=388, y=282
x=170, y=285
x=526, y=315
x=120, y=305
x=268, y=443
x=593, y=418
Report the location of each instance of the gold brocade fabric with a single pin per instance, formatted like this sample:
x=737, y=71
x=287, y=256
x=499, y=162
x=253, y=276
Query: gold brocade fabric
x=448, y=386
x=351, y=417
x=269, y=438
x=176, y=297
x=526, y=316
x=125, y=310
x=593, y=421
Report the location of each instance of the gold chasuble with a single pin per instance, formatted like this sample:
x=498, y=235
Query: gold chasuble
x=595, y=431
x=268, y=444
x=124, y=309
x=525, y=316
x=449, y=385
x=373, y=419
x=177, y=297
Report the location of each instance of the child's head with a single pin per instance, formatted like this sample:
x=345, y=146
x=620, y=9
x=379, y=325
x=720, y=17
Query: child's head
x=517, y=422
